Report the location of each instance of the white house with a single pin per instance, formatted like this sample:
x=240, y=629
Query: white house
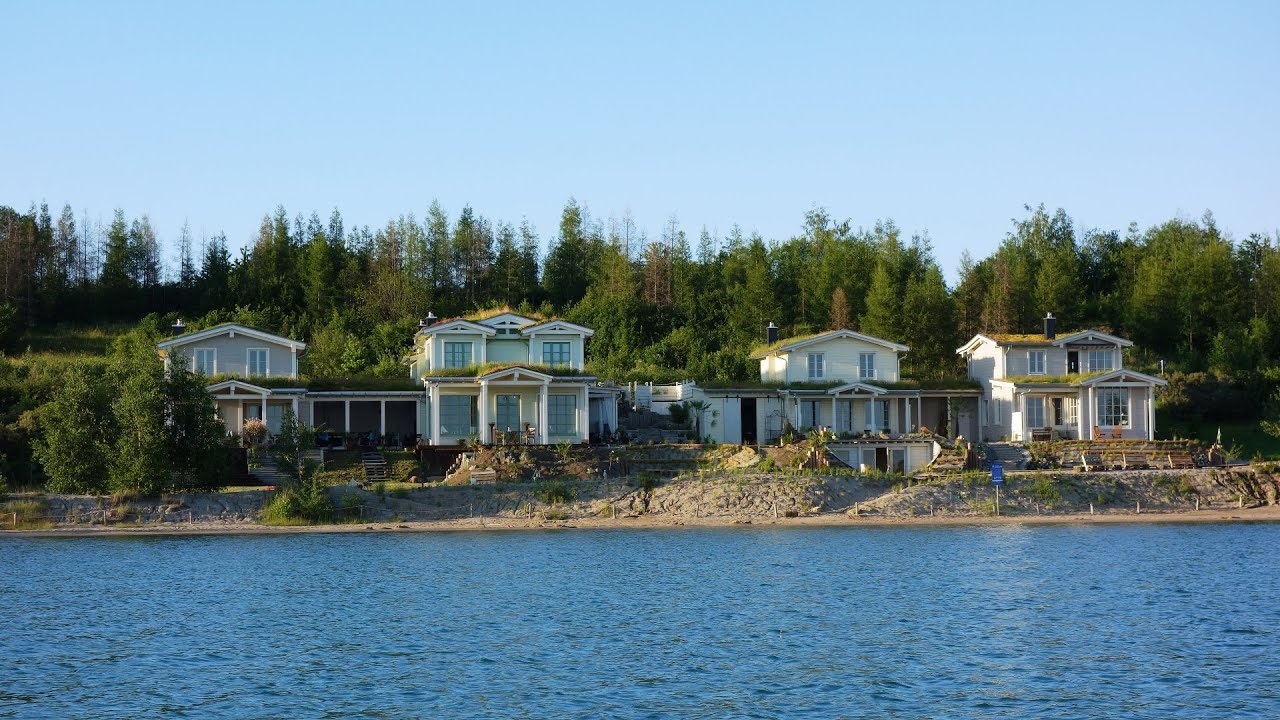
x=510, y=378
x=1042, y=386
x=849, y=383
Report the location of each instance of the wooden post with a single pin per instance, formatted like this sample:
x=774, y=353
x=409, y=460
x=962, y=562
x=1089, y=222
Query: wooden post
x=1197, y=503
x=1090, y=508
x=1139, y=507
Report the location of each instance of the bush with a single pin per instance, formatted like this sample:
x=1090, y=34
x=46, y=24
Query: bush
x=554, y=492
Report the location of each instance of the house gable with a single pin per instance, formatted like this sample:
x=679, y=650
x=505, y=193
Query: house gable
x=235, y=350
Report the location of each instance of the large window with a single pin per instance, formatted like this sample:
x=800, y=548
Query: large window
x=1113, y=407
x=1035, y=411
x=508, y=412
x=877, y=417
x=562, y=414
x=1035, y=362
x=867, y=366
x=1099, y=360
x=457, y=354
x=555, y=353
x=817, y=366
x=811, y=413
x=206, y=361
x=258, y=362
x=458, y=415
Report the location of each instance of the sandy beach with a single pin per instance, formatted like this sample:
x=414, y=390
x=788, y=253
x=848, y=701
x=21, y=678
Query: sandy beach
x=651, y=522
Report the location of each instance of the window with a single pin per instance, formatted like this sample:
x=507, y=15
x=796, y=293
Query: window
x=1069, y=416
x=562, y=414
x=1113, y=407
x=811, y=413
x=206, y=362
x=457, y=354
x=1035, y=362
x=898, y=460
x=258, y=361
x=877, y=414
x=555, y=353
x=1034, y=411
x=867, y=366
x=816, y=366
x=508, y=412
x=457, y=415
x=1099, y=360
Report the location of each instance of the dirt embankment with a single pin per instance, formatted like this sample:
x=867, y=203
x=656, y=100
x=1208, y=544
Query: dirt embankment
x=708, y=499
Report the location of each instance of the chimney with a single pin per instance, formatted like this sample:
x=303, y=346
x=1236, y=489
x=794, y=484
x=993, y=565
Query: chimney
x=177, y=328
x=1050, y=327
x=771, y=333
x=427, y=321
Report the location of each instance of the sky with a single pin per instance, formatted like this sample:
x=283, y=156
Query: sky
x=946, y=118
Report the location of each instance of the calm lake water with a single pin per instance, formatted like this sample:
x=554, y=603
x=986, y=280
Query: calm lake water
x=1160, y=621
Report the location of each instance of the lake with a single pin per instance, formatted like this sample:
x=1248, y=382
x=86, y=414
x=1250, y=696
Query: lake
x=1129, y=621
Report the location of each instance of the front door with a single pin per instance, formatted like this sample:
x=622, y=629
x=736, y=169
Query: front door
x=1057, y=413
x=1073, y=362
x=749, y=421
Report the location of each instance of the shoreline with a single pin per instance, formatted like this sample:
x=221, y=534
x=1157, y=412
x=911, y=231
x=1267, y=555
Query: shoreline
x=1263, y=514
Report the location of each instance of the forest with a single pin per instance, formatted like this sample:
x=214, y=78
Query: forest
x=1202, y=307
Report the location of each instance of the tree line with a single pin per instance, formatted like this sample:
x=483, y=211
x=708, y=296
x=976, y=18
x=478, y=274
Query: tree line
x=664, y=306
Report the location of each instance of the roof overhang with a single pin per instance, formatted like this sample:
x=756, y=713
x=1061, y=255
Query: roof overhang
x=856, y=388
x=230, y=331
x=552, y=326
x=1086, y=335
x=977, y=341
x=845, y=334
x=458, y=326
x=234, y=385
x=1124, y=376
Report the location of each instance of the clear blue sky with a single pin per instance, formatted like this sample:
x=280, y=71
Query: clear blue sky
x=945, y=117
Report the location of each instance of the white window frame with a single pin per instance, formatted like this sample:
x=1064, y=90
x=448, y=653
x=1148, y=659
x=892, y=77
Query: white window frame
x=498, y=411
x=447, y=426
x=1032, y=357
x=453, y=344
x=867, y=366
x=195, y=361
x=248, y=362
x=556, y=416
x=1101, y=355
x=548, y=357
x=1106, y=416
x=1036, y=401
x=817, y=366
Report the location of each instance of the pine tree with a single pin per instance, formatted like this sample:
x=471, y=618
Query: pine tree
x=839, y=318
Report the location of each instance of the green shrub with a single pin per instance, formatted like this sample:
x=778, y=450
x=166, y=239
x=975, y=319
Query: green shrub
x=1044, y=489
x=554, y=492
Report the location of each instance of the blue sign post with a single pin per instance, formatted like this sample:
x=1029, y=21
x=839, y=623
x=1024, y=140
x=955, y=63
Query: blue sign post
x=997, y=477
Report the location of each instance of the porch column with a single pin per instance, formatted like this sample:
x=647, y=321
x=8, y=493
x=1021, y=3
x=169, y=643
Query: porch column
x=382, y=417
x=834, y=422
x=433, y=395
x=1090, y=418
x=544, y=432
x=1151, y=412
x=263, y=416
x=907, y=403
x=239, y=416
x=346, y=416
x=294, y=403
x=483, y=415
x=313, y=413
x=584, y=414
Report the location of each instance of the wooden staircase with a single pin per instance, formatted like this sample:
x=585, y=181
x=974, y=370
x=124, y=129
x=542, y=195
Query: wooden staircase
x=375, y=467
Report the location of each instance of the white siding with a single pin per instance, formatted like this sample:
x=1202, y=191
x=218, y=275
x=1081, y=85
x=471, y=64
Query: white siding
x=841, y=361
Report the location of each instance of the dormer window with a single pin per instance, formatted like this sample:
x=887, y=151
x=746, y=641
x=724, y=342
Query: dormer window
x=1099, y=360
x=867, y=366
x=1035, y=362
x=817, y=366
x=555, y=354
x=457, y=354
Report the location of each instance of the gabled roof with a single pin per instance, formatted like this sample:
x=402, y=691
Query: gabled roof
x=507, y=319
x=1122, y=375
x=792, y=344
x=238, y=385
x=1064, y=340
x=230, y=329
x=458, y=324
x=557, y=326
x=1038, y=339
x=859, y=386
x=517, y=372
